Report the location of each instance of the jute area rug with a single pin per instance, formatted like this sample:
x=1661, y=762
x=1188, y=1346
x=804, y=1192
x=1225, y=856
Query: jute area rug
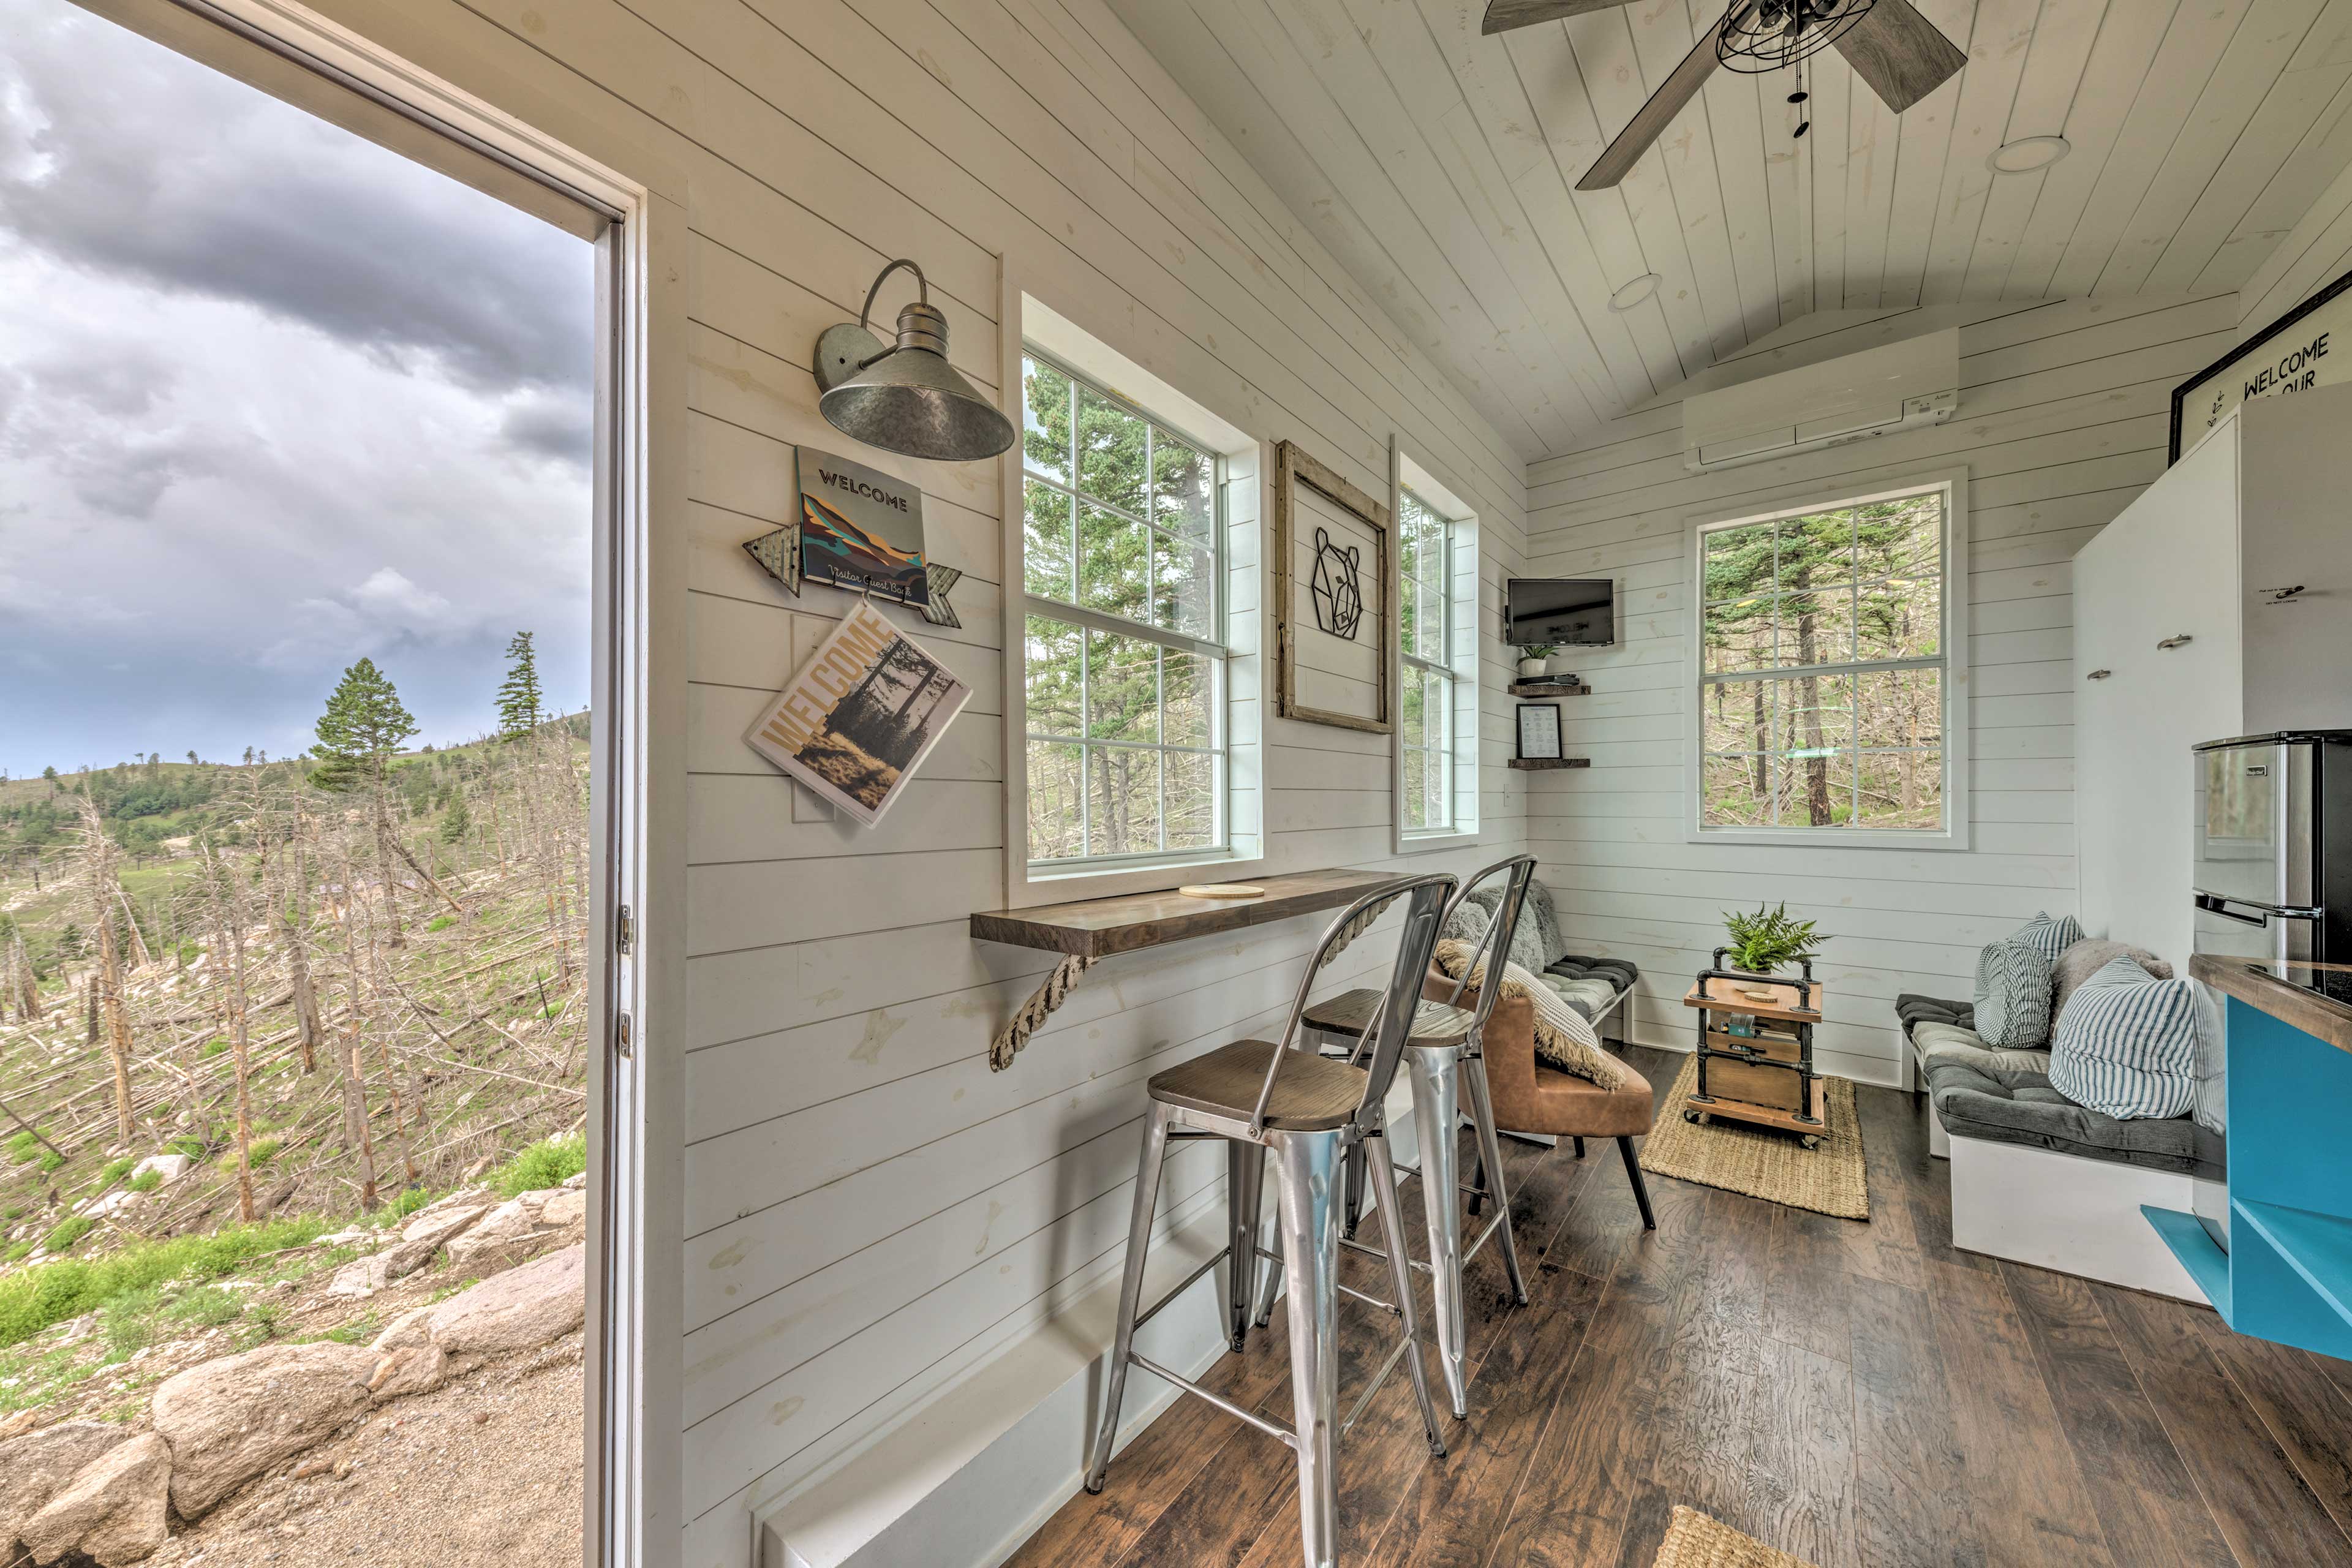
x=1760, y=1162
x=1695, y=1541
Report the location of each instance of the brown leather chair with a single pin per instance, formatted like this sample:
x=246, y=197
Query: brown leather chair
x=1530, y=1096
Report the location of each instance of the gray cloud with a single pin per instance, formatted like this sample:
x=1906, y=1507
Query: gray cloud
x=270, y=398
x=117, y=157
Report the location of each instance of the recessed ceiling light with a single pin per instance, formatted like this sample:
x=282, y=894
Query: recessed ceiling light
x=1633, y=293
x=2028, y=153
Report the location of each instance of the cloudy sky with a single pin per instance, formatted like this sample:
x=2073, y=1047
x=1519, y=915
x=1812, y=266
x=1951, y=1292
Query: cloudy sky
x=271, y=398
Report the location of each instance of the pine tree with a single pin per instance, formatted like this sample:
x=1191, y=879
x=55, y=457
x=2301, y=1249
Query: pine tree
x=521, y=709
x=364, y=725
x=457, y=824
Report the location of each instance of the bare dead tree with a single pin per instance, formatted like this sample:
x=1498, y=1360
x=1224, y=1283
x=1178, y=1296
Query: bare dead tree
x=357, y=1135
x=228, y=922
x=287, y=877
x=97, y=852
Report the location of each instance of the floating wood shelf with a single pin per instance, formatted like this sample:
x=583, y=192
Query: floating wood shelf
x=1097, y=928
x=1545, y=764
x=1550, y=688
x=2261, y=986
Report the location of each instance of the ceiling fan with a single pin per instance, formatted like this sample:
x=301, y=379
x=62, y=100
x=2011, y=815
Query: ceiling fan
x=1889, y=44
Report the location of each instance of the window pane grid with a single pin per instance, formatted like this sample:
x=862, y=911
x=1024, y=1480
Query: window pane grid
x=1425, y=560
x=1819, y=732
x=1141, y=751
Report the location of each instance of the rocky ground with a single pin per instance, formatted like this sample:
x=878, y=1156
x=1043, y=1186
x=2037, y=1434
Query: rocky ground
x=431, y=1414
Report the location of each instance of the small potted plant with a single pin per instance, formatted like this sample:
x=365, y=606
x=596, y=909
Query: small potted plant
x=1531, y=660
x=1760, y=943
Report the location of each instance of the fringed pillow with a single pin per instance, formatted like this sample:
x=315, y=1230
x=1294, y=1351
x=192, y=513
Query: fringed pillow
x=1564, y=1038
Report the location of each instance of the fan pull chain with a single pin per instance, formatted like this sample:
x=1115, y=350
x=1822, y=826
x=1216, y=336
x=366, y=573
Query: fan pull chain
x=1800, y=96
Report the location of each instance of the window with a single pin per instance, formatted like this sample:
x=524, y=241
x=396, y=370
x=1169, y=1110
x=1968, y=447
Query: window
x=1124, y=652
x=1824, y=670
x=1426, y=617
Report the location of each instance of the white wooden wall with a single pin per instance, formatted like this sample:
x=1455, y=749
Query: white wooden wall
x=2062, y=420
x=869, y=1210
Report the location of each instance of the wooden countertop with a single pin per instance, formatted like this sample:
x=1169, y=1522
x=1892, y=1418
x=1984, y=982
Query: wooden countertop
x=2258, y=985
x=1097, y=928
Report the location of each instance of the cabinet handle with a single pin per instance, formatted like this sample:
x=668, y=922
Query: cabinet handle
x=2169, y=643
x=2098, y=675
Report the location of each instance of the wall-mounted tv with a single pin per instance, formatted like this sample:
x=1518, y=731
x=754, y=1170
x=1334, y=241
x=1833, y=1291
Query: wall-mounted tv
x=1562, y=611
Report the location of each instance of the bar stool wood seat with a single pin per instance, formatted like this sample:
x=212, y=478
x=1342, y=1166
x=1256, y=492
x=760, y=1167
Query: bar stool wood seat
x=1313, y=1094
x=1308, y=1113
x=1350, y=1012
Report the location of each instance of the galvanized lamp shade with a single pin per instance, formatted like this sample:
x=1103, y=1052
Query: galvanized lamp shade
x=906, y=399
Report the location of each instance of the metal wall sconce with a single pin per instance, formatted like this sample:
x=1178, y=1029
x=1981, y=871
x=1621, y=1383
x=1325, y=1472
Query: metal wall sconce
x=905, y=398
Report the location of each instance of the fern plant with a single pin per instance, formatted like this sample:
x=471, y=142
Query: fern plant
x=1763, y=941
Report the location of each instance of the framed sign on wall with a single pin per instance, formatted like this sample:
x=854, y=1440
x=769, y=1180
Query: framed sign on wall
x=2295, y=354
x=1333, y=582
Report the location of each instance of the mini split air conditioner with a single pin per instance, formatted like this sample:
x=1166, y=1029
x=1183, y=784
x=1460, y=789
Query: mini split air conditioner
x=1901, y=385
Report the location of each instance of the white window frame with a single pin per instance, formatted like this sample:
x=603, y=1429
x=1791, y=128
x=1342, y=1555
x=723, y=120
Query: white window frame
x=1461, y=643
x=1031, y=328
x=1825, y=497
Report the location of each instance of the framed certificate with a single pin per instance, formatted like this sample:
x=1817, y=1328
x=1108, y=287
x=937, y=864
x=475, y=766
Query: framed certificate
x=1539, y=731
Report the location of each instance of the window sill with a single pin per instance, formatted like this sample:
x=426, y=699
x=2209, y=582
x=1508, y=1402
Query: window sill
x=1027, y=890
x=1832, y=837
x=1429, y=842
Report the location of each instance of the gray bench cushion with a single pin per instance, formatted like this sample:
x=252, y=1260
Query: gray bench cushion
x=1591, y=985
x=2004, y=1106
x=1914, y=1010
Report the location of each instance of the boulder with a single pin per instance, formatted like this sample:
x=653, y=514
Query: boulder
x=519, y=1310
x=360, y=1277
x=426, y=1235
x=115, y=1510
x=478, y=1198
x=34, y=1469
x=229, y=1420
x=576, y=1182
x=411, y=1329
x=507, y=1234
x=170, y=1167
x=401, y=1372
x=565, y=1209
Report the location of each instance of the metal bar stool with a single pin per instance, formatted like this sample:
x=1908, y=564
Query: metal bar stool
x=1446, y=1055
x=1308, y=1110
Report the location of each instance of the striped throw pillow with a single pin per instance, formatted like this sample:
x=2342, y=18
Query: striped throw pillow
x=2013, y=996
x=2050, y=937
x=2126, y=1045
x=1564, y=1037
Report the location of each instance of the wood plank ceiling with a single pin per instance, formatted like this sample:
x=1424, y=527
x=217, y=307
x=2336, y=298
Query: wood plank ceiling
x=1438, y=166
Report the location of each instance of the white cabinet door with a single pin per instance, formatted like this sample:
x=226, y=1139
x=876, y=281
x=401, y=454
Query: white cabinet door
x=2165, y=571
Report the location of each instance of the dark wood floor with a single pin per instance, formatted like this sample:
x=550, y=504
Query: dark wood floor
x=1853, y=1393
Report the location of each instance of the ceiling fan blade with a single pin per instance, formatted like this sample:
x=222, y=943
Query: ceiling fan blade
x=1900, y=53
x=1650, y=121
x=1502, y=16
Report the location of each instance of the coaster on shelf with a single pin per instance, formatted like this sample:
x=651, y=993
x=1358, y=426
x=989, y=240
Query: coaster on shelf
x=1223, y=890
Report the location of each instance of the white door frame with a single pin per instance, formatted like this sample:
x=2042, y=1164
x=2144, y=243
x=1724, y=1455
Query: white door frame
x=387, y=62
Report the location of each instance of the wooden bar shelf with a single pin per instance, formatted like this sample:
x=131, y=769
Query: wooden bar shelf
x=1541, y=688
x=1098, y=928
x=1541, y=765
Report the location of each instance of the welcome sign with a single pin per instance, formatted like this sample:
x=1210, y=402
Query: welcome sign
x=2304, y=349
x=861, y=528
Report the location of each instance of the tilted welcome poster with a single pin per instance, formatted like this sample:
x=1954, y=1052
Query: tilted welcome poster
x=859, y=717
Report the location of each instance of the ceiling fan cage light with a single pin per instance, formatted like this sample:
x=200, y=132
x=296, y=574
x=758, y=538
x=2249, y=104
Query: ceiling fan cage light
x=1761, y=35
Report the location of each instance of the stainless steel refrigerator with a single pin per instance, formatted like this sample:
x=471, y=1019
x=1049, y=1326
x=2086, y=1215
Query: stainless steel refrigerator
x=2272, y=882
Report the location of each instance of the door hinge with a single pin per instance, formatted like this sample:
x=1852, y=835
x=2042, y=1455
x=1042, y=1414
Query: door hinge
x=624, y=931
x=624, y=1039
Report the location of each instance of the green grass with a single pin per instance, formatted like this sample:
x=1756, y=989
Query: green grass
x=263, y=1151
x=146, y=1181
x=440, y=923
x=544, y=1164
x=50, y=1160
x=194, y=1148
x=18, y=1251
x=128, y=1320
x=115, y=1171
x=23, y=1147
x=215, y=1045
x=72, y=1231
x=38, y=1298
x=206, y=1307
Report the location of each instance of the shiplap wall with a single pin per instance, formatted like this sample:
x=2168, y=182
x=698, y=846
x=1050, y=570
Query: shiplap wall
x=2062, y=420
x=869, y=1209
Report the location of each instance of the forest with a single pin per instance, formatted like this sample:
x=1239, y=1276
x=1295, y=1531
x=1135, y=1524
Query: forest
x=325, y=984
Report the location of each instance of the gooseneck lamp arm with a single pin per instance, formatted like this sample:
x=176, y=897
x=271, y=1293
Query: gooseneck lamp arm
x=922, y=297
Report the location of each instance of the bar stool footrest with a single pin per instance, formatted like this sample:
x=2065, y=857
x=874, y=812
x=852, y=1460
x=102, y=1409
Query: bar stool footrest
x=1271, y=1428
